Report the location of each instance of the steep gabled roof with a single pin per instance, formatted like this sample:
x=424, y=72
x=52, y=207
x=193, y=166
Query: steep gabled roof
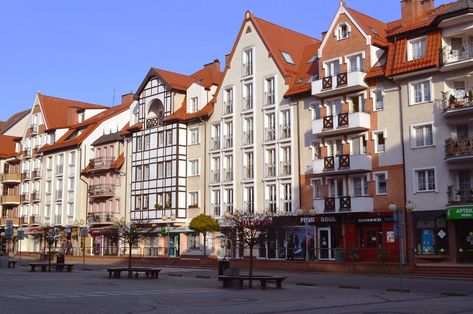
x=108, y=138
x=6, y=125
x=7, y=144
x=308, y=68
x=174, y=80
x=55, y=110
x=371, y=26
x=182, y=115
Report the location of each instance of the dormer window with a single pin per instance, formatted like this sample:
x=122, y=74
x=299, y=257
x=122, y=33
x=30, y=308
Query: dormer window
x=342, y=31
x=416, y=49
x=287, y=57
x=194, y=104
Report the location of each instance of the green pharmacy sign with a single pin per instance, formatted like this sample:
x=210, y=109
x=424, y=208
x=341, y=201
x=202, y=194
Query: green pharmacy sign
x=460, y=212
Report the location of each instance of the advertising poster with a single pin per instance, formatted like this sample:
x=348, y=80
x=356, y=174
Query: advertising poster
x=296, y=245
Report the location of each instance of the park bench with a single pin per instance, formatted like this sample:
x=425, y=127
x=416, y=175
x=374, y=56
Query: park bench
x=45, y=266
x=150, y=273
x=227, y=280
x=11, y=264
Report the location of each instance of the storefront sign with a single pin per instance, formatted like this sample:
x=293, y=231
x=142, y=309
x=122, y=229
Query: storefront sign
x=307, y=220
x=326, y=219
x=371, y=220
x=34, y=230
x=460, y=212
x=390, y=238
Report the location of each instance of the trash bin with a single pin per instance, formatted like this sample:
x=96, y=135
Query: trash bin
x=222, y=266
x=60, y=259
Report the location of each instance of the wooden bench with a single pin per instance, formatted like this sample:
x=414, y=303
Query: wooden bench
x=227, y=280
x=150, y=273
x=11, y=264
x=45, y=266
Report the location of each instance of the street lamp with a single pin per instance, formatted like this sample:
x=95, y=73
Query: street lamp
x=83, y=234
x=306, y=215
x=168, y=221
x=399, y=219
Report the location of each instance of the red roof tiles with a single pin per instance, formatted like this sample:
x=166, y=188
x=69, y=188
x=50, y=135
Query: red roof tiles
x=8, y=143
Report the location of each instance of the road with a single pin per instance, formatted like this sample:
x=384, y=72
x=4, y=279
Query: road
x=187, y=290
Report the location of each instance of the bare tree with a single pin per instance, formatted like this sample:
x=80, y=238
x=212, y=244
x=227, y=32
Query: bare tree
x=251, y=228
x=132, y=232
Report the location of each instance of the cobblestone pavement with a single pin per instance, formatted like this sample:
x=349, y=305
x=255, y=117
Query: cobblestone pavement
x=187, y=290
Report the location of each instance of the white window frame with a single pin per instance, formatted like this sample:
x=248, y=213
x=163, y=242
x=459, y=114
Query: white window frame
x=412, y=97
x=375, y=98
x=349, y=56
x=375, y=177
x=313, y=110
x=410, y=46
x=374, y=136
x=191, y=161
x=415, y=181
x=198, y=198
x=194, y=104
x=363, y=187
x=338, y=31
x=191, y=130
x=326, y=66
x=414, y=138
x=313, y=185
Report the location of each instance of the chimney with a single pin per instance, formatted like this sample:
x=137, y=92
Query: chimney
x=127, y=98
x=413, y=10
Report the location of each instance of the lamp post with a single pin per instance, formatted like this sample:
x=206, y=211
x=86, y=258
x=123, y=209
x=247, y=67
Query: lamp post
x=168, y=220
x=306, y=215
x=399, y=220
x=83, y=234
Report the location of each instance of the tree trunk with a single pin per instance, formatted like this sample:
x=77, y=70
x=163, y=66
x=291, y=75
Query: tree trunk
x=205, y=243
x=129, y=261
x=250, y=272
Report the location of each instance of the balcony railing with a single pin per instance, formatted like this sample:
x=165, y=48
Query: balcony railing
x=155, y=121
x=215, y=143
x=227, y=141
x=248, y=172
x=227, y=175
x=34, y=196
x=12, y=199
x=269, y=99
x=101, y=163
x=451, y=56
x=285, y=168
x=102, y=190
x=269, y=134
x=342, y=82
x=27, y=153
x=269, y=170
x=248, y=137
x=247, y=103
x=457, y=196
x=26, y=175
x=451, y=104
x=284, y=131
x=346, y=203
x=215, y=176
x=24, y=197
x=36, y=173
x=11, y=177
x=34, y=220
x=227, y=107
x=100, y=217
x=33, y=129
x=343, y=162
x=460, y=147
x=23, y=220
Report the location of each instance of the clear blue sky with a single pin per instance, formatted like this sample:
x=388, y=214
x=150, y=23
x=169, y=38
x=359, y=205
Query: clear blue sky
x=84, y=49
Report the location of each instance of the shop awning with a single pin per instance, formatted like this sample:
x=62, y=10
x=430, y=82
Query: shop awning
x=460, y=212
x=181, y=230
x=107, y=230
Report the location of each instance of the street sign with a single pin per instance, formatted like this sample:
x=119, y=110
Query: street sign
x=21, y=235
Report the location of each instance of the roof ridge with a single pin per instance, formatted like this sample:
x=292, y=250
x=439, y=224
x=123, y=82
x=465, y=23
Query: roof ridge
x=366, y=15
x=72, y=100
x=285, y=28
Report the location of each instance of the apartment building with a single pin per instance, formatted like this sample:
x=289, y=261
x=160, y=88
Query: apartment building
x=435, y=98
x=162, y=175
x=358, y=166
x=253, y=162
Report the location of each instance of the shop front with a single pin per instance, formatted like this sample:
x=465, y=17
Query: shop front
x=328, y=237
x=104, y=241
x=461, y=219
x=432, y=236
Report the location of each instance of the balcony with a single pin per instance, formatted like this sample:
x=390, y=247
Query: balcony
x=343, y=204
x=227, y=141
x=284, y=168
x=248, y=137
x=457, y=196
x=11, y=178
x=101, y=163
x=34, y=197
x=271, y=206
x=227, y=175
x=227, y=108
x=247, y=103
x=451, y=59
x=342, y=123
x=269, y=170
x=284, y=132
x=456, y=107
x=343, y=164
x=16, y=220
x=269, y=99
x=101, y=190
x=33, y=220
x=23, y=220
x=100, y=218
x=248, y=173
x=10, y=199
x=155, y=121
x=269, y=134
x=27, y=153
x=215, y=176
x=33, y=129
x=25, y=175
x=459, y=149
x=338, y=84
x=214, y=143
x=36, y=174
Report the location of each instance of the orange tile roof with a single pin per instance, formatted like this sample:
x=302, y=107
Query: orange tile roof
x=72, y=138
x=305, y=72
x=8, y=144
x=55, y=110
x=210, y=75
x=128, y=129
x=373, y=27
x=182, y=115
x=175, y=80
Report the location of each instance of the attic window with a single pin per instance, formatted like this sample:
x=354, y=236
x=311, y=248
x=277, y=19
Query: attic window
x=74, y=135
x=312, y=59
x=342, y=31
x=287, y=57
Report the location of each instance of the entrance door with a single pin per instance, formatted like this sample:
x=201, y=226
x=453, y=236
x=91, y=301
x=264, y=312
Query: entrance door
x=173, y=245
x=371, y=241
x=324, y=244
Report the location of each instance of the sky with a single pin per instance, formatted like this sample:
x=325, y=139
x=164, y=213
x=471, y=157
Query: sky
x=91, y=50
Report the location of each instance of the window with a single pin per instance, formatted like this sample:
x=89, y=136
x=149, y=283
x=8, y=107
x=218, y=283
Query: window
x=160, y=169
x=146, y=172
x=145, y=201
x=342, y=31
x=332, y=68
x=161, y=139
x=356, y=63
x=248, y=96
x=139, y=173
x=269, y=91
x=360, y=186
x=316, y=150
x=139, y=143
x=425, y=180
x=194, y=199
x=379, y=141
x=168, y=168
x=380, y=179
x=417, y=49
x=422, y=135
x=193, y=241
x=169, y=138
x=72, y=158
x=247, y=62
x=194, y=167
x=379, y=99
x=421, y=92
x=137, y=202
x=194, y=136
x=147, y=141
x=70, y=209
x=317, y=189
x=316, y=113
x=287, y=57
x=194, y=104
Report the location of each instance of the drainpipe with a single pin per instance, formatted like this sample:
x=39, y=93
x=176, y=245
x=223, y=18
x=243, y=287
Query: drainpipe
x=87, y=192
x=205, y=165
x=299, y=155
